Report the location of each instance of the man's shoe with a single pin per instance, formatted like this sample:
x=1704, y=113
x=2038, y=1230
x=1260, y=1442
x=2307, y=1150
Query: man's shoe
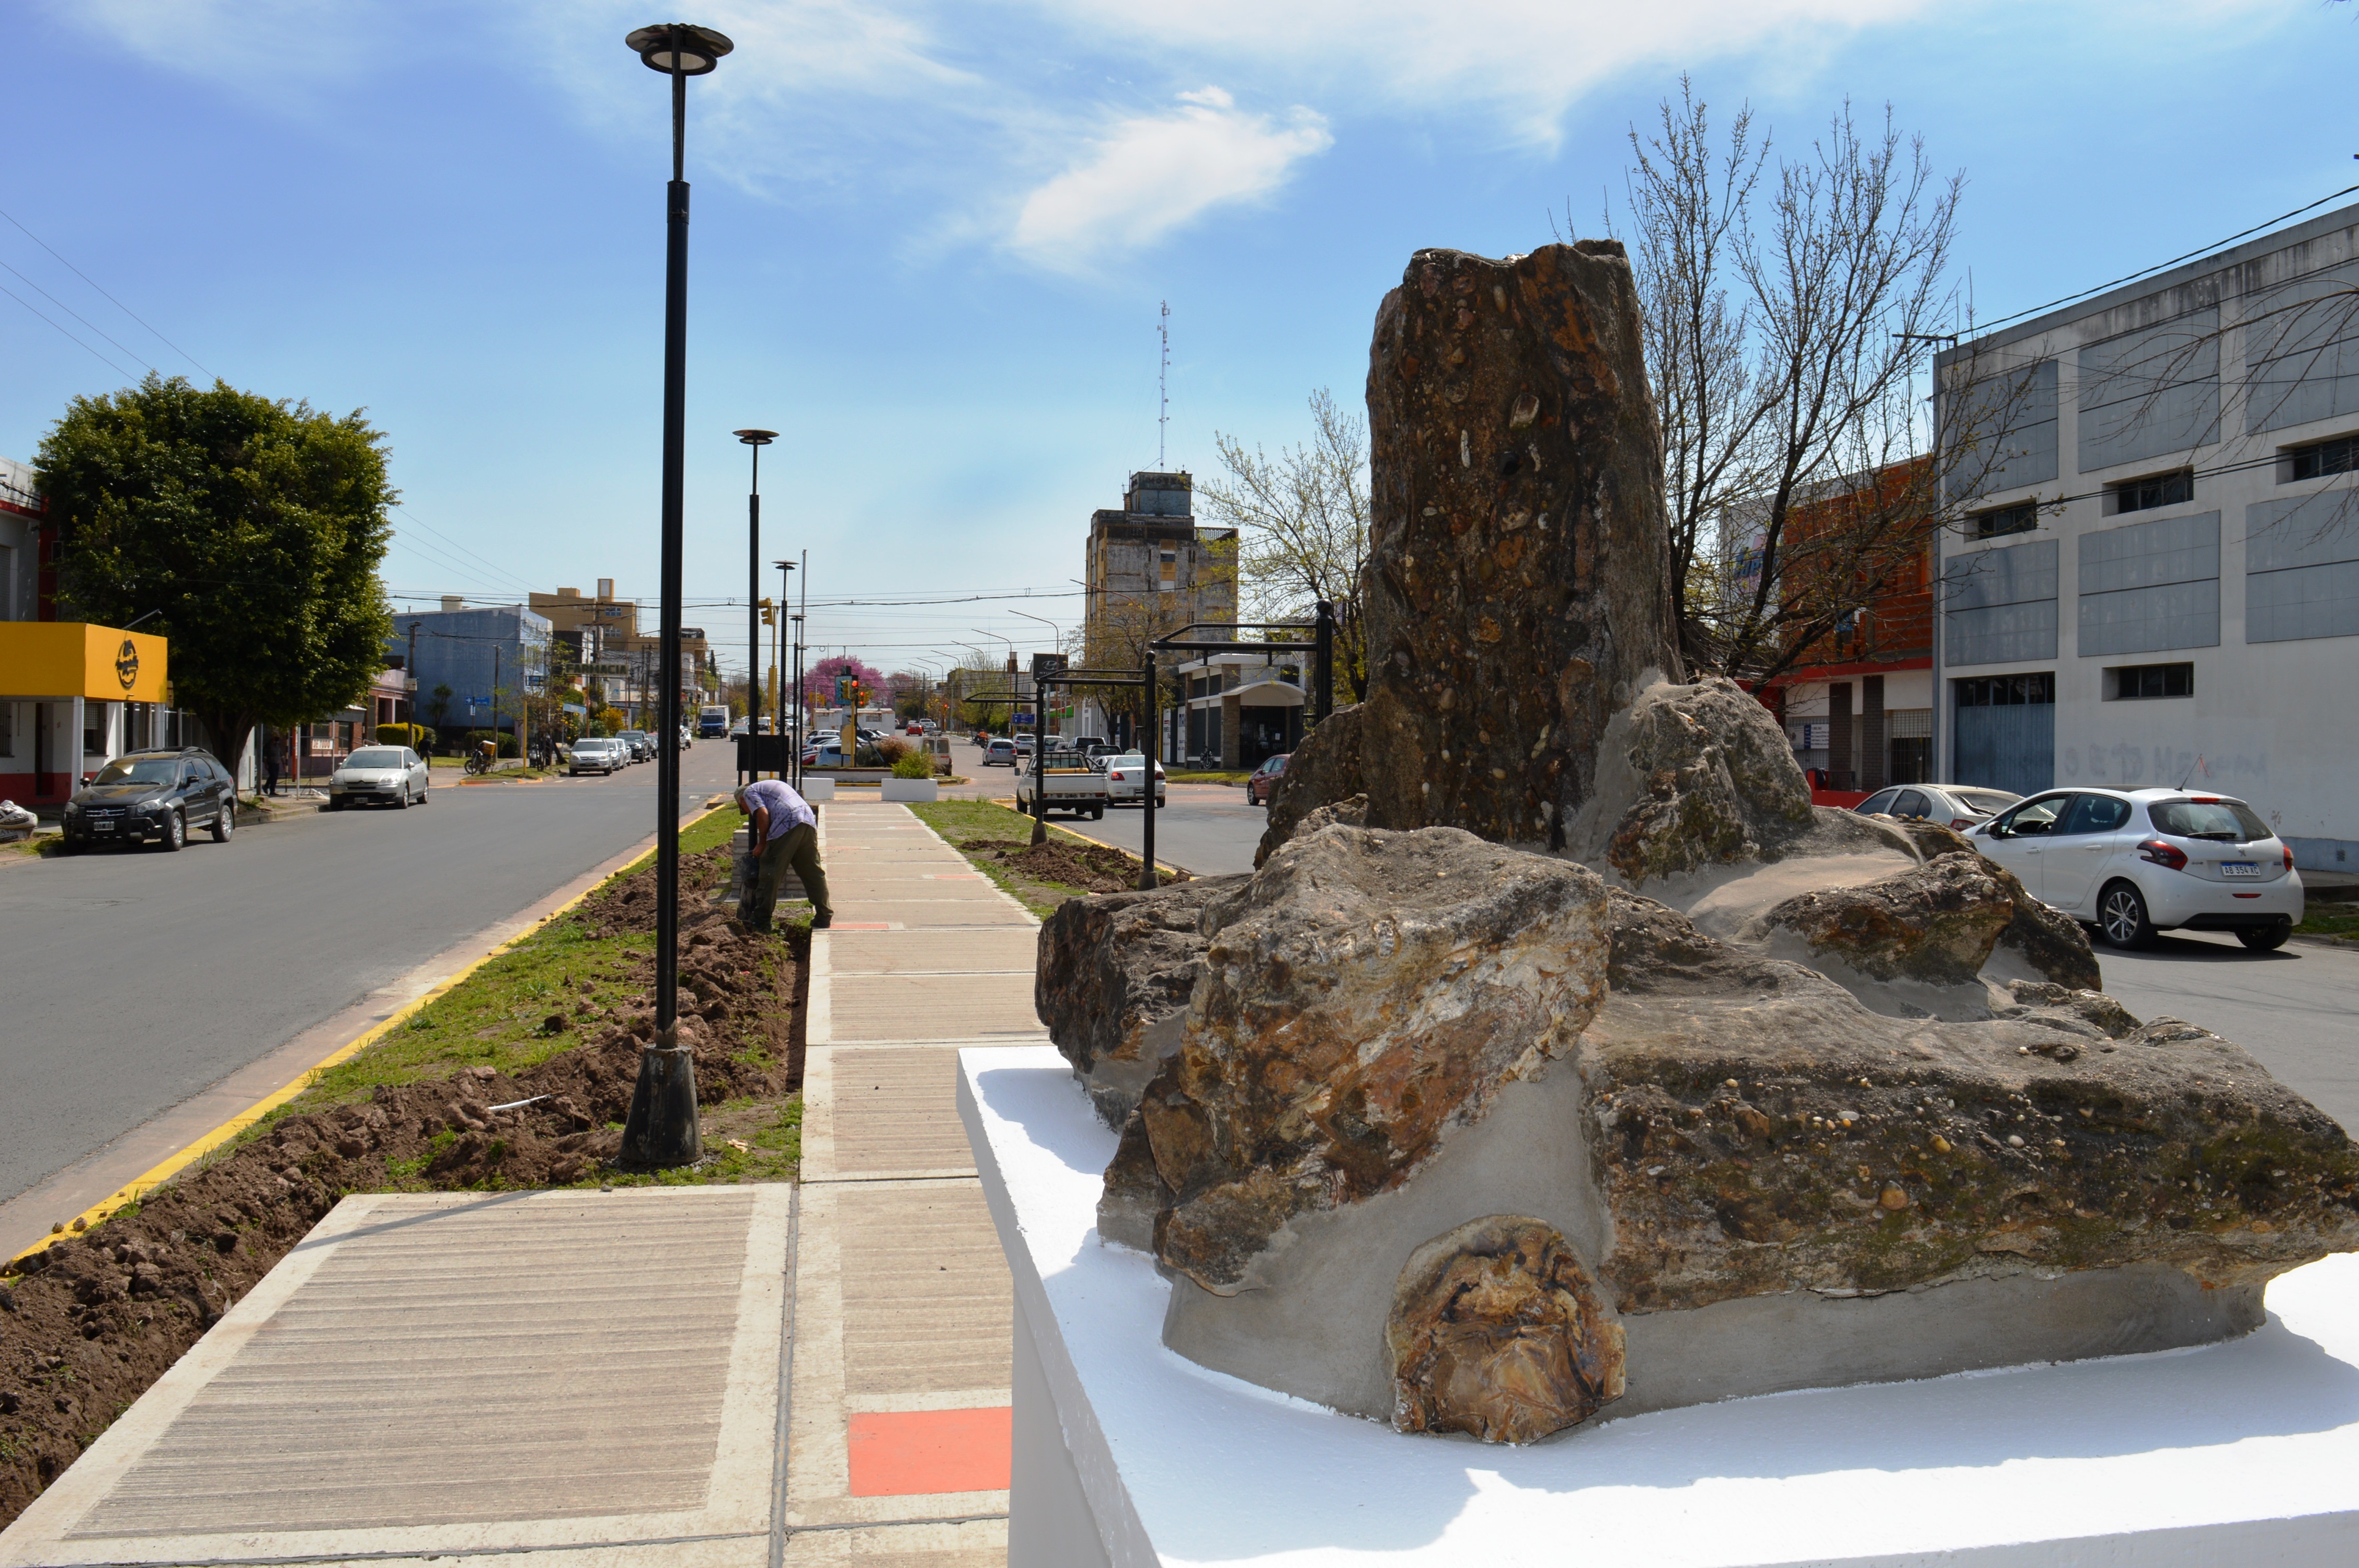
x=821, y=921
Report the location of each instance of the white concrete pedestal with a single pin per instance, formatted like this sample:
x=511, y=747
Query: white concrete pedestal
x=816, y=790
x=1126, y=1454
x=910, y=789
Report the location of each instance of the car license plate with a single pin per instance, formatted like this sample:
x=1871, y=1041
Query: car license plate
x=102, y=826
x=2239, y=869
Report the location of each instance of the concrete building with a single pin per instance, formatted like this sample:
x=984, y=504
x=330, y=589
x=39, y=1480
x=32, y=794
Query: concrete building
x=1149, y=570
x=2161, y=584
x=600, y=637
x=488, y=658
x=1237, y=710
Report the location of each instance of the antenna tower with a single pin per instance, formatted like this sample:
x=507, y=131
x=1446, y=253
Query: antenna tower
x=1163, y=385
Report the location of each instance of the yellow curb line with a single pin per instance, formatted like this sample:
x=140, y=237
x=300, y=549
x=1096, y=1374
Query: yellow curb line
x=1075, y=833
x=156, y=1175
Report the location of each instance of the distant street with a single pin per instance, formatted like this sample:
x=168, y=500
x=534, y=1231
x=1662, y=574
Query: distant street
x=136, y=979
x=1208, y=828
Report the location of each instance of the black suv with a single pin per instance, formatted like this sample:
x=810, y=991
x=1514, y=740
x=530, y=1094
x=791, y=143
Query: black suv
x=153, y=795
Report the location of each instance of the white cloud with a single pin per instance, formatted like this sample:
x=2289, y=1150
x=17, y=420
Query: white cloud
x=1150, y=174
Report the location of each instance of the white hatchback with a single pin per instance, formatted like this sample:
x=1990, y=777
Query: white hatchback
x=1126, y=780
x=389, y=775
x=2133, y=863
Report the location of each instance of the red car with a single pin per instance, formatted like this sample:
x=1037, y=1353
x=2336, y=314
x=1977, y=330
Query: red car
x=1263, y=779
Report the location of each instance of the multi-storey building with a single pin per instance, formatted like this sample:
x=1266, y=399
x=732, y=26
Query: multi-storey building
x=2160, y=584
x=1151, y=570
x=474, y=666
x=599, y=638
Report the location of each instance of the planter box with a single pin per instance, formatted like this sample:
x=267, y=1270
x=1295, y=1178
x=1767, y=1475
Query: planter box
x=817, y=789
x=911, y=789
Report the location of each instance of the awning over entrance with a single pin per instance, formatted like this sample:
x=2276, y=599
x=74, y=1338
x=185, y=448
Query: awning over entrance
x=54, y=659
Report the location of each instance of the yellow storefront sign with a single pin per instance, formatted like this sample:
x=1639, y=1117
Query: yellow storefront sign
x=74, y=658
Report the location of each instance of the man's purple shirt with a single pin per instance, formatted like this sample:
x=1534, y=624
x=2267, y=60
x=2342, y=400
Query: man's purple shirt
x=788, y=809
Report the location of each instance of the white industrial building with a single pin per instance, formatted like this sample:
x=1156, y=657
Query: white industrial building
x=2160, y=583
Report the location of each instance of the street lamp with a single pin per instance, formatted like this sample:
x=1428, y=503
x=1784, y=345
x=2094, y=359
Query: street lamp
x=662, y=1128
x=756, y=440
x=778, y=653
x=795, y=744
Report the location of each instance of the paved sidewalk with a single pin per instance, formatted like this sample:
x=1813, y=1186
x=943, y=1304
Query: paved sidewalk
x=900, y=1407
x=739, y=1377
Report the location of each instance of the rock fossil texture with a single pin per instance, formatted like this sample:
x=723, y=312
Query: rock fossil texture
x=1518, y=529
x=1114, y=974
x=1937, y=923
x=1495, y=1330
x=1361, y=992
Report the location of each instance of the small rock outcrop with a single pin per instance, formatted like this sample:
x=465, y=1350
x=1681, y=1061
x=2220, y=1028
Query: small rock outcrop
x=1324, y=771
x=1496, y=1331
x=1114, y=978
x=1363, y=993
x=1937, y=923
x=2047, y=941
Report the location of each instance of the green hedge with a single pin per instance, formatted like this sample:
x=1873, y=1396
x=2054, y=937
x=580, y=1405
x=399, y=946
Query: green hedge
x=414, y=736
x=474, y=738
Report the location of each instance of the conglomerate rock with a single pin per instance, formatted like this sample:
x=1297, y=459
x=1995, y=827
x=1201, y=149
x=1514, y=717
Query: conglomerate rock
x=1113, y=983
x=2047, y=941
x=1518, y=589
x=1936, y=923
x=1361, y=992
x=1495, y=1330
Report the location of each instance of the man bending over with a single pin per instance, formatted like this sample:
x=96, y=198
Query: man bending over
x=786, y=833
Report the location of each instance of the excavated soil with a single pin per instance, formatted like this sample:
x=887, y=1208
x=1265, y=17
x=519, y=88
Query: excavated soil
x=1093, y=868
x=89, y=1323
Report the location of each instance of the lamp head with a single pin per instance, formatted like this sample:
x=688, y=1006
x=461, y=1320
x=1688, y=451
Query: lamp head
x=670, y=46
x=756, y=438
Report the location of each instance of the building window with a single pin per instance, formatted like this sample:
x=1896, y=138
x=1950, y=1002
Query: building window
x=2020, y=518
x=2340, y=455
x=2133, y=681
x=7, y=729
x=2006, y=691
x=2161, y=489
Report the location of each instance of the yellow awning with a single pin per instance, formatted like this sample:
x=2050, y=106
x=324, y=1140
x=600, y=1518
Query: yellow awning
x=74, y=658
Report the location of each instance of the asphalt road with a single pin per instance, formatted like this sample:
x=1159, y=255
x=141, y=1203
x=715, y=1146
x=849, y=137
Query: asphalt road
x=2293, y=1008
x=135, y=979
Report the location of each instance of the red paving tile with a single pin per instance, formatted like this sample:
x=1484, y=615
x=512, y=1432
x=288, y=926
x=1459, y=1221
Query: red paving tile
x=902, y=1453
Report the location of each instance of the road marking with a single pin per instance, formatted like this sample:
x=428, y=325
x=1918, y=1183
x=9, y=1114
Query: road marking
x=156, y=1175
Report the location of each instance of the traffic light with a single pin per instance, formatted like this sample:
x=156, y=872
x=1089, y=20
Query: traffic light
x=769, y=613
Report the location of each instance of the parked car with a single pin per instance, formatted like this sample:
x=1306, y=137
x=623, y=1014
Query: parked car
x=999, y=753
x=2133, y=863
x=738, y=727
x=640, y=745
x=1024, y=744
x=1262, y=781
x=388, y=776
x=1126, y=780
x=1960, y=805
x=824, y=755
x=599, y=755
x=1066, y=781
x=914, y=727
x=158, y=797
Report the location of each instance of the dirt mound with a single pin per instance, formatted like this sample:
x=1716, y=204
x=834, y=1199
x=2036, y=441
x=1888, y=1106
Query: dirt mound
x=1093, y=867
x=88, y=1323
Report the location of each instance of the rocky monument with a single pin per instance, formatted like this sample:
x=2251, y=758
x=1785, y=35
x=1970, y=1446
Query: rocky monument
x=1561, y=1060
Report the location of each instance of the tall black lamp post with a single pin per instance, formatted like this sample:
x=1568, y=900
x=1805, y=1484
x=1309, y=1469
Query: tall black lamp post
x=662, y=1126
x=756, y=440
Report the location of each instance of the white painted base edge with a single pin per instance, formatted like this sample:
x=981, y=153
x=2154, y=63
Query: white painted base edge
x=2242, y=1451
x=911, y=789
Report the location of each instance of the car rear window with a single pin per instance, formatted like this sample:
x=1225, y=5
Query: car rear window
x=2227, y=821
x=1991, y=800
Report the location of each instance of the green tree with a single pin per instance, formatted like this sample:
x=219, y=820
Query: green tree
x=251, y=528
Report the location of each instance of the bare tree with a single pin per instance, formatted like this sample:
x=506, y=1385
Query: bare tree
x=1781, y=348
x=1302, y=525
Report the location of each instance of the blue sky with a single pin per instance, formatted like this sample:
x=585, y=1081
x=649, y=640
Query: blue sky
x=930, y=240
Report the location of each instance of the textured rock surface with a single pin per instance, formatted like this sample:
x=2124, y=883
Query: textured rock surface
x=1936, y=923
x=1324, y=771
x=1517, y=591
x=1113, y=978
x=1496, y=1331
x=1363, y=991
x=1756, y=1129
x=2047, y=941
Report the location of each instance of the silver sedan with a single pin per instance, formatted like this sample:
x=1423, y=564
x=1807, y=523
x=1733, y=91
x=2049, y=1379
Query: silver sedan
x=388, y=775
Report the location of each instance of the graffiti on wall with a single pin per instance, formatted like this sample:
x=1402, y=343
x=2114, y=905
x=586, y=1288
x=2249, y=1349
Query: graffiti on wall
x=2125, y=765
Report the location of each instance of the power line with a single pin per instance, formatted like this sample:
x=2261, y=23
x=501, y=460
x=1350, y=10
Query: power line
x=77, y=316
x=68, y=336
x=111, y=299
x=1983, y=328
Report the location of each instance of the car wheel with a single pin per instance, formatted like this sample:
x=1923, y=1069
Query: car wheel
x=401, y=797
x=224, y=822
x=2121, y=915
x=176, y=832
x=1097, y=814
x=2267, y=938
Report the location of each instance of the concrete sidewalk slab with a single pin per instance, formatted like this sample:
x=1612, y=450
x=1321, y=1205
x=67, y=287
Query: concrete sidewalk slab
x=443, y=1373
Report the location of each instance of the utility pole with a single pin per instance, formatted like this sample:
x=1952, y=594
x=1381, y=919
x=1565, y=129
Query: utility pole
x=409, y=668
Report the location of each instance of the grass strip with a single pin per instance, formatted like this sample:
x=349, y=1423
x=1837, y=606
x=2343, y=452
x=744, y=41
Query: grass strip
x=962, y=821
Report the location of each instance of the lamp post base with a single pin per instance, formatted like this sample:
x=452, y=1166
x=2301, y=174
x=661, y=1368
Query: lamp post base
x=661, y=1130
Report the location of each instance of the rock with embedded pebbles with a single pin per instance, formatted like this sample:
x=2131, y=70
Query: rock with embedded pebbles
x=1114, y=974
x=1363, y=993
x=1936, y=923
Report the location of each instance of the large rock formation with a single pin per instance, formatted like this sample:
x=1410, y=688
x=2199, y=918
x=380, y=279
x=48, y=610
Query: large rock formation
x=1517, y=531
x=1562, y=1059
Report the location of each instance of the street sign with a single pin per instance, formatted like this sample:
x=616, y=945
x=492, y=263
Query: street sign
x=1047, y=665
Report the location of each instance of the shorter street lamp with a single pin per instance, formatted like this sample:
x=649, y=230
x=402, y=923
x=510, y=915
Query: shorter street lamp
x=756, y=440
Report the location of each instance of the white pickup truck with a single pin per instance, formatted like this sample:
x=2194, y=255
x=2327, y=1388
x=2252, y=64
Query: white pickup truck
x=1070, y=784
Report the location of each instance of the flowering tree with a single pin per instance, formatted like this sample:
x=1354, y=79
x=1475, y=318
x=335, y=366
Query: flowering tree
x=819, y=680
